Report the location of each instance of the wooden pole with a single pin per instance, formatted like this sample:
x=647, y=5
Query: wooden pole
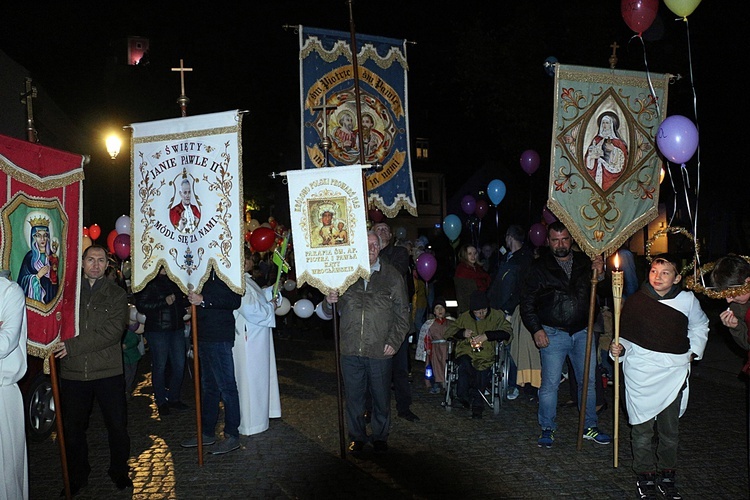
x=358, y=103
x=197, y=381
x=587, y=359
x=340, y=391
x=59, y=424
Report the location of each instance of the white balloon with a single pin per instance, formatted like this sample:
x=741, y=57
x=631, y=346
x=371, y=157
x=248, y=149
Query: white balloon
x=290, y=285
x=320, y=310
x=304, y=308
x=122, y=225
x=133, y=314
x=284, y=307
x=141, y=318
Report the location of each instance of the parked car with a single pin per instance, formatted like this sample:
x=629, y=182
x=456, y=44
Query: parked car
x=38, y=403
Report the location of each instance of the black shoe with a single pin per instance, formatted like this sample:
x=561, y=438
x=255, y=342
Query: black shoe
x=408, y=415
x=368, y=416
x=380, y=446
x=355, y=447
x=74, y=488
x=122, y=481
x=646, y=485
x=178, y=406
x=164, y=409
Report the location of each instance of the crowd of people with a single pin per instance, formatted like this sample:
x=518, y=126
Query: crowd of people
x=534, y=301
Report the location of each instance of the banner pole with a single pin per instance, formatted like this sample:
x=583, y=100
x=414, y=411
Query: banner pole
x=59, y=424
x=197, y=380
x=340, y=389
x=586, y=367
x=358, y=104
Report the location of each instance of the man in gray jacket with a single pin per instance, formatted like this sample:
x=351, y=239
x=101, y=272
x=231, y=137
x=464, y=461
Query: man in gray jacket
x=374, y=321
x=91, y=369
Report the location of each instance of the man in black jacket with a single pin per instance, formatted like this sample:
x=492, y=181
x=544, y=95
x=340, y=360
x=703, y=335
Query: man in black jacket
x=399, y=258
x=215, y=316
x=554, y=308
x=163, y=304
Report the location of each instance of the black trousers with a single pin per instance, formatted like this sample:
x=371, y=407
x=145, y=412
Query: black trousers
x=77, y=402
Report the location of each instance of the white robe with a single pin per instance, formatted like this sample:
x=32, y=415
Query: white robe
x=654, y=379
x=255, y=359
x=13, y=457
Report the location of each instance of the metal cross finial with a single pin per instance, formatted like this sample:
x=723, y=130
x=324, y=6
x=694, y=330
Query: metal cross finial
x=325, y=143
x=613, y=57
x=182, y=69
x=26, y=98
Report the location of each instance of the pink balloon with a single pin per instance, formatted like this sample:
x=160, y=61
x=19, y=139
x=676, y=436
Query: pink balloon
x=468, y=204
x=481, y=209
x=639, y=14
x=122, y=246
x=426, y=266
x=538, y=234
x=529, y=161
x=548, y=216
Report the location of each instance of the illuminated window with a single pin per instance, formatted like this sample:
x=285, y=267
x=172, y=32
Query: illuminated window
x=423, y=147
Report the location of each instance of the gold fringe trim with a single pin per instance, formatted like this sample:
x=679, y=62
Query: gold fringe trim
x=691, y=283
x=306, y=277
x=39, y=183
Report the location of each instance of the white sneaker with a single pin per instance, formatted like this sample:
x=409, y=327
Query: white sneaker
x=512, y=394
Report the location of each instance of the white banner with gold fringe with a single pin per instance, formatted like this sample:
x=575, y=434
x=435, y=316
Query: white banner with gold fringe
x=329, y=227
x=186, y=209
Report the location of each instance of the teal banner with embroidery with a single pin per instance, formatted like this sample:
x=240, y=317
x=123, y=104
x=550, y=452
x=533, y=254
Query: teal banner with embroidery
x=332, y=129
x=604, y=172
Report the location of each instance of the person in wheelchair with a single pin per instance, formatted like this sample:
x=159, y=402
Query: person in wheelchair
x=475, y=333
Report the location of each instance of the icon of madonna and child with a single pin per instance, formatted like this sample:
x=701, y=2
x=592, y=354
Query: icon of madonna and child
x=38, y=274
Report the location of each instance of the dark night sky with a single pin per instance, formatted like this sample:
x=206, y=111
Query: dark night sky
x=477, y=86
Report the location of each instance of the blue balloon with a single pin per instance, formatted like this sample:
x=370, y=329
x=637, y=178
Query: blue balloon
x=496, y=191
x=452, y=227
x=549, y=65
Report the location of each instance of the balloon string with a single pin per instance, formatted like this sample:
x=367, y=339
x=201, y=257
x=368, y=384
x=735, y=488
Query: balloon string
x=698, y=149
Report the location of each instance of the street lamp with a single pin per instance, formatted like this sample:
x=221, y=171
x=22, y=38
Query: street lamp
x=113, y=145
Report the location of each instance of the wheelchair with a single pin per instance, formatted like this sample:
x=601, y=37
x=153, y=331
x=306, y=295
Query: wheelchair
x=494, y=394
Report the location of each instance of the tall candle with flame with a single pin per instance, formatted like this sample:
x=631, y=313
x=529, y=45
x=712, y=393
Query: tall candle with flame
x=617, y=280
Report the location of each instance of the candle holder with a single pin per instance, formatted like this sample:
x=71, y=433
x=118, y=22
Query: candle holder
x=617, y=280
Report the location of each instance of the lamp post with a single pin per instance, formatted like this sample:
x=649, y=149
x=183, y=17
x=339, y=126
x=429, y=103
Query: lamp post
x=617, y=280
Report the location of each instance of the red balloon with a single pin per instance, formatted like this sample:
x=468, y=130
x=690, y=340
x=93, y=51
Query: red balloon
x=262, y=239
x=639, y=14
x=538, y=234
x=111, y=240
x=95, y=231
x=247, y=236
x=481, y=209
x=86, y=231
x=426, y=266
x=122, y=246
x=375, y=215
x=273, y=222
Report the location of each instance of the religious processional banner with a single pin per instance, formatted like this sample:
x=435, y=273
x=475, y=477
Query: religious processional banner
x=329, y=111
x=329, y=227
x=186, y=209
x=41, y=232
x=604, y=176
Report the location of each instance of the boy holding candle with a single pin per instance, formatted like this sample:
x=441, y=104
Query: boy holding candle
x=662, y=329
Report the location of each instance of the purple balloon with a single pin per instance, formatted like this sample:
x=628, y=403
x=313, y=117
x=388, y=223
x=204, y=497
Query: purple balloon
x=468, y=204
x=548, y=216
x=122, y=245
x=538, y=234
x=426, y=266
x=529, y=161
x=677, y=138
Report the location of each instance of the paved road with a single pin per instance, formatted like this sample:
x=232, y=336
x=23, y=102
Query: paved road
x=445, y=455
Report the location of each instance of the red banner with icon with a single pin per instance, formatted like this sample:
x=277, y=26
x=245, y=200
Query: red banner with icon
x=40, y=235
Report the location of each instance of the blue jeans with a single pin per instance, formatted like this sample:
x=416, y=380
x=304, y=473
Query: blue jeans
x=218, y=384
x=167, y=347
x=362, y=376
x=562, y=345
